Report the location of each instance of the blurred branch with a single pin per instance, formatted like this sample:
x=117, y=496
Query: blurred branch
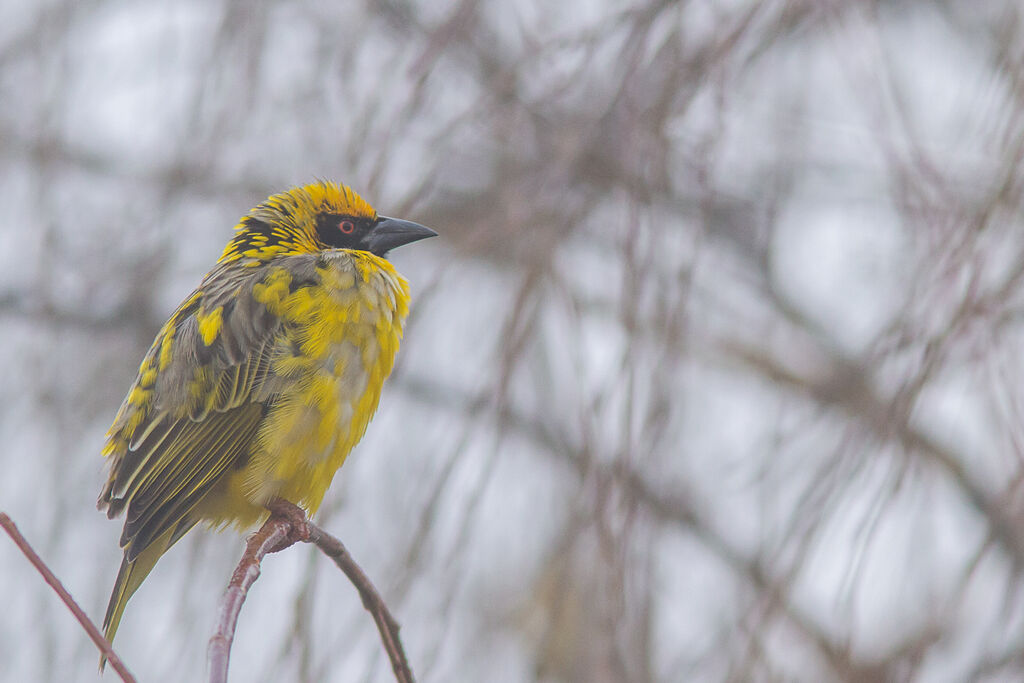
x=286, y=526
x=94, y=633
x=676, y=507
x=845, y=385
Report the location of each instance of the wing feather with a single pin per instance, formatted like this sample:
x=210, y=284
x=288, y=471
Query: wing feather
x=187, y=471
x=202, y=417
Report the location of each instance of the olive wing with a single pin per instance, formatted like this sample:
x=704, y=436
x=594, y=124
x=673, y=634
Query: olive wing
x=196, y=405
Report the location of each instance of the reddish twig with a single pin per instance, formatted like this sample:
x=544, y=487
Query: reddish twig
x=271, y=537
x=372, y=601
x=286, y=526
x=51, y=579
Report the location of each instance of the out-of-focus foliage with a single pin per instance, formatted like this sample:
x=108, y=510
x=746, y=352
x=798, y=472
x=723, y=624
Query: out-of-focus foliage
x=714, y=373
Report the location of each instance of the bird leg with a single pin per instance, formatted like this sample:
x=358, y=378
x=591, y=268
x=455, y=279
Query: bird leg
x=298, y=525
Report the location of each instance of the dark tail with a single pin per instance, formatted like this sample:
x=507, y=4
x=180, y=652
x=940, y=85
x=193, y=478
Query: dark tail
x=132, y=574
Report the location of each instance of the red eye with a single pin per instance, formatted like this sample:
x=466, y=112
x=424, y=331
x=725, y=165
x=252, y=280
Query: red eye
x=347, y=227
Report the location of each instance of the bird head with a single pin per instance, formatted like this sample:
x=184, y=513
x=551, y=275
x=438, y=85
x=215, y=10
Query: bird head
x=315, y=217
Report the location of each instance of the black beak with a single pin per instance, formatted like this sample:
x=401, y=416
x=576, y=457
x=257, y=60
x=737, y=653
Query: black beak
x=389, y=233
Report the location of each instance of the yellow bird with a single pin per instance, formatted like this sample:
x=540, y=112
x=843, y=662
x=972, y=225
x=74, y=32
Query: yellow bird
x=262, y=380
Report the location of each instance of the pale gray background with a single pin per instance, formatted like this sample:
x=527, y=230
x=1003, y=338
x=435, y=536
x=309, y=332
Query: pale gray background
x=714, y=373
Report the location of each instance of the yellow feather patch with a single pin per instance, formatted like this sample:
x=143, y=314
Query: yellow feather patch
x=274, y=289
x=343, y=355
x=210, y=323
x=139, y=396
x=166, y=347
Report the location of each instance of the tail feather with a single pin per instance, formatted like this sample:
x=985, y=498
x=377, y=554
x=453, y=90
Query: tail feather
x=131, y=575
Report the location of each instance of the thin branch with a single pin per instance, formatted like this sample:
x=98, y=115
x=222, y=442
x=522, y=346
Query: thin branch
x=372, y=600
x=51, y=579
x=270, y=538
x=286, y=526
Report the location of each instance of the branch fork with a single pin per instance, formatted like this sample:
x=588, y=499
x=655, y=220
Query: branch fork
x=286, y=526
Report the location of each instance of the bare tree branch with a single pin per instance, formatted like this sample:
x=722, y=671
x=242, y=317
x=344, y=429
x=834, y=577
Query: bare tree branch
x=51, y=579
x=372, y=600
x=286, y=526
x=268, y=539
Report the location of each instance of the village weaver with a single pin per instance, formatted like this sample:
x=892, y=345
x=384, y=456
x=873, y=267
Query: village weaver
x=262, y=380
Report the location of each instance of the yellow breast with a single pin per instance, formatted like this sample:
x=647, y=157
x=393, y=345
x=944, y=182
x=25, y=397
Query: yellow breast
x=337, y=347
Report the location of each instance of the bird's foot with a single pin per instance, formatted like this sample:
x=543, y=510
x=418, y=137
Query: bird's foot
x=298, y=525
